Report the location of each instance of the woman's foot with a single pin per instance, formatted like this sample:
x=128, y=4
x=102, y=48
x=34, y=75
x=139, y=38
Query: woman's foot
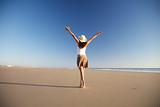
x=82, y=84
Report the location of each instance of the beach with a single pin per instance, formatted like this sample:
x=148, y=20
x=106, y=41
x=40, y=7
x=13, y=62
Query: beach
x=59, y=87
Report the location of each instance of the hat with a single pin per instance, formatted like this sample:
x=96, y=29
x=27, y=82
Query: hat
x=82, y=38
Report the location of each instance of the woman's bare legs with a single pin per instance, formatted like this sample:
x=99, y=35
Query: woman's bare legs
x=82, y=81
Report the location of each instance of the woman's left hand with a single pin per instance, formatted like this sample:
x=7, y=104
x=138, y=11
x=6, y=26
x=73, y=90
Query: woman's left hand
x=67, y=28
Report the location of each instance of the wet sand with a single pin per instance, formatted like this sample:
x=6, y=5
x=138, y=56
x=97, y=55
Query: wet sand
x=48, y=87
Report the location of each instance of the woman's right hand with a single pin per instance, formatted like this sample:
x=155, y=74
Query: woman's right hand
x=98, y=33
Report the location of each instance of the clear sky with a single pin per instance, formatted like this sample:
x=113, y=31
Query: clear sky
x=32, y=32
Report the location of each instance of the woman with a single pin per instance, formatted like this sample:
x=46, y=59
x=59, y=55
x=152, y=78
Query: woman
x=82, y=60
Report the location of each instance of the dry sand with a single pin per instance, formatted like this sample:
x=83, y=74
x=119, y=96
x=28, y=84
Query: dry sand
x=37, y=87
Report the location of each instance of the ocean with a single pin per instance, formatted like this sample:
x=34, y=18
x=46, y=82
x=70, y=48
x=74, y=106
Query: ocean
x=154, y=70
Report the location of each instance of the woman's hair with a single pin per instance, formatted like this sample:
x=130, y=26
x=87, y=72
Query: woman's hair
x=81, y=44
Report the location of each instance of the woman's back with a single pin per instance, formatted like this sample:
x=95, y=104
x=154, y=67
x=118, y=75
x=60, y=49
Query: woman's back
x=81, y=49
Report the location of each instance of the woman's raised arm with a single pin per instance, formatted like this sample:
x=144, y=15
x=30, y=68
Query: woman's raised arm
x=73, y=35
x=93, y=37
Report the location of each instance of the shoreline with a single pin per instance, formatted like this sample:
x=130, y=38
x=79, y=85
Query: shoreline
x=137, y=70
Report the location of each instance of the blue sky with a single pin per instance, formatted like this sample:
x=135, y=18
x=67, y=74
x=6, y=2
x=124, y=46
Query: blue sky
x=32, y=32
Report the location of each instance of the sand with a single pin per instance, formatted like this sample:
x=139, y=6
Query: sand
x=44, y=87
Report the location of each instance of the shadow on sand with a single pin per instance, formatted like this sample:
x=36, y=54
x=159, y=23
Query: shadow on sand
x=39, y=85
